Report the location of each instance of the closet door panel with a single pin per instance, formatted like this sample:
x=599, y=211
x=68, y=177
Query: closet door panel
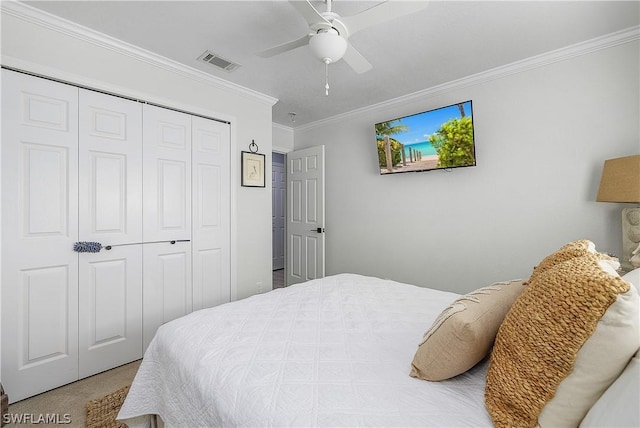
x=211, y=213
x=111, y=308
x=110, y=288
x=39, y=226
x=167, y=285
x=110, y=162
x=167, y=175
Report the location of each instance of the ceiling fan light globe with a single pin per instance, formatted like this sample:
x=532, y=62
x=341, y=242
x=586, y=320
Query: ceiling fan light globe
x=328, y=46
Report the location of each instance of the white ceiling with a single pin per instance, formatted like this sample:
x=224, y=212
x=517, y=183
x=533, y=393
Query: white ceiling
x=446, y=41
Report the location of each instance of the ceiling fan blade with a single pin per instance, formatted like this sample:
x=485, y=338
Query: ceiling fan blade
x=381, y=13
x=356, y=60
x=308, y=12
x=304, y=40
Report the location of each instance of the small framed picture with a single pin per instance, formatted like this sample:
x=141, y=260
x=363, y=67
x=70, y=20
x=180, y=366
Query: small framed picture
x=252, y=169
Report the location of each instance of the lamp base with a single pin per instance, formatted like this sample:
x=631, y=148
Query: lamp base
x=630, y=235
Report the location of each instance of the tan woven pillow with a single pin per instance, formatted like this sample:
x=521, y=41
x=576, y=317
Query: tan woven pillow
x=463, y=334
x=565, y=253
x=564, y=341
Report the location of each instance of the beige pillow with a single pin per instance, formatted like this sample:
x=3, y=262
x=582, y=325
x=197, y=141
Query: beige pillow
x=564, y=341
x=463, y=334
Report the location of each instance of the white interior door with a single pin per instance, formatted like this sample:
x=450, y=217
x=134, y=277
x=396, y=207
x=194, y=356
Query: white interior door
x=211, y=238
x=305, y=220
x=110, y=206
x=39, y=227
x=278, y=221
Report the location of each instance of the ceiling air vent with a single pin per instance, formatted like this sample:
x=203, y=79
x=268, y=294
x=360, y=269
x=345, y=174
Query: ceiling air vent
x=216, y=60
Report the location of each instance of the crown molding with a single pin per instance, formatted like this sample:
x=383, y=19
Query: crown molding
x=284, y=128
x=46, y=20
x=79, y=81
x=583, y=48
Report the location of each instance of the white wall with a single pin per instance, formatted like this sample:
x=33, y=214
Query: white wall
x=542, y=133
x=282, y=138
x=35, y=43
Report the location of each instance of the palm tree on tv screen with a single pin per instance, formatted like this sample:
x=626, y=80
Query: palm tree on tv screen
x=389, y=128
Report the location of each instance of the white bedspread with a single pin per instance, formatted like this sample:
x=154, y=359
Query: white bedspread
x=329, y=352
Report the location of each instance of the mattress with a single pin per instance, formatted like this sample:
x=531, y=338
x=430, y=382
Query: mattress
x=330, y=352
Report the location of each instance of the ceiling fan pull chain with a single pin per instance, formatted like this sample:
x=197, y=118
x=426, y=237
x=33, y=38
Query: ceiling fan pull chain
x=326, y=78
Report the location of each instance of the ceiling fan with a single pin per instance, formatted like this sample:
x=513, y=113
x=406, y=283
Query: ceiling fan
x=329, y=32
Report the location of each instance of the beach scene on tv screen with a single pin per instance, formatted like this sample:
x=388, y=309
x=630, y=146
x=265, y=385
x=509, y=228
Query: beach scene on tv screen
x=440, y=138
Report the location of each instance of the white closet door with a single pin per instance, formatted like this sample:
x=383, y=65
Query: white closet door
x=211, y=213
x=39, y=227
x=110, y=206
x=167, y=285
x=167, y=174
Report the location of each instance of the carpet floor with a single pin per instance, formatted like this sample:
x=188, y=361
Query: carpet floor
x=69, y=401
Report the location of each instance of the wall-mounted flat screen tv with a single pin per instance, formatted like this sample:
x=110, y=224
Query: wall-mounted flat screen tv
x=436, y=139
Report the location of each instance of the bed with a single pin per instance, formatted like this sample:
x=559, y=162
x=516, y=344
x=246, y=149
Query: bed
x=345, y=351
x=329, y=352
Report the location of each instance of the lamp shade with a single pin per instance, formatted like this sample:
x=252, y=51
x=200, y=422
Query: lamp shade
x=620, y=180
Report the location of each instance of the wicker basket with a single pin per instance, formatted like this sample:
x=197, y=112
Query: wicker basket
x=102, y=412
x=4, y=405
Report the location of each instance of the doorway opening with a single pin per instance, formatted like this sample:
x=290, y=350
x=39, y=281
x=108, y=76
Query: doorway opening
x=278, y=219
